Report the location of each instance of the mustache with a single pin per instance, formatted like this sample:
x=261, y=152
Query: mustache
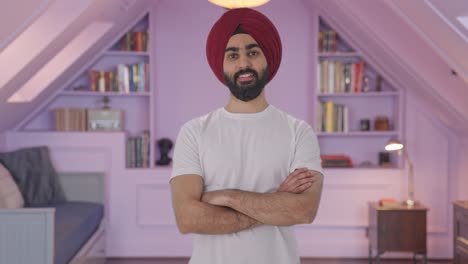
x=245, y=71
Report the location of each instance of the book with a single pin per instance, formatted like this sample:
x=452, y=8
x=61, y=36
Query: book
x=389, y=202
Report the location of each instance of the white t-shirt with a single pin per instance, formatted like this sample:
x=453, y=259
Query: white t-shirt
x=251, y=152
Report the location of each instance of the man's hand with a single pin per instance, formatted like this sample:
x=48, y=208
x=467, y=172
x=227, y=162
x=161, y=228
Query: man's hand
x=298, y=181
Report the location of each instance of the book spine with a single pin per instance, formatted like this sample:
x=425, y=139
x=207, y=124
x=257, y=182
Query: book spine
x=320, y=41
x=129, y=152
x=329, y=116
x=141, y=77
x=345, y=119
x=130, y=78
x=138, y=152
x=147, y=81
x=135, y=77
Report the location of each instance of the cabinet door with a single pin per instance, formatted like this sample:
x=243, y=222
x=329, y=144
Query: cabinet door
x=461, y=235
x=402, y=230
x=141, y=221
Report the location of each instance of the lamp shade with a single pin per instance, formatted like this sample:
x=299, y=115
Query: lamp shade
x=230, y=4
x=394, y=145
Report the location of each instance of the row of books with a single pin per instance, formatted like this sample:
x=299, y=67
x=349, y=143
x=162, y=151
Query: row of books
x=134, y=41
x=327, y=41
x=127, y=78
x=340, y=77
x=138, y=150
x=332, y=117
x=70, y=119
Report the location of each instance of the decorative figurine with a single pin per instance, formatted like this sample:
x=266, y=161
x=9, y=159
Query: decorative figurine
x=365, y=87
x=378, y=87
x=364, y=124
x=165, y=146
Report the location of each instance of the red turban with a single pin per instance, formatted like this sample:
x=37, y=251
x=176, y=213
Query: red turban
x=256, y=25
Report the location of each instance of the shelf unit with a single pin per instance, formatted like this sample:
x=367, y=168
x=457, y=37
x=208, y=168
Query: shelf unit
x=351, y=90
x=133, y=98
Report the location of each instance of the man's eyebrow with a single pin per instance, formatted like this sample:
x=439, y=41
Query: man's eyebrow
x=231, y=49
x=247, y=47
x=251, y=46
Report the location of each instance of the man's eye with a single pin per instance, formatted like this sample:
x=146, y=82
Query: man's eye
x=253, y=53
x=232, y=56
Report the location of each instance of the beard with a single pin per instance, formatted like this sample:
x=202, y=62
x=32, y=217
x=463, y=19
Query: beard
x=249, y=91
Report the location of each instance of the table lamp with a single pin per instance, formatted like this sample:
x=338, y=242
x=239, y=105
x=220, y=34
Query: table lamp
x=396, y=145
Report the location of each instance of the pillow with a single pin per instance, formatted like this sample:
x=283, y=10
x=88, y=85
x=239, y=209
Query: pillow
x=37, y=180
x=10, y=196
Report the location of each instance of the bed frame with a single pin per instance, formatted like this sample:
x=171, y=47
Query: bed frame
x=27, y=234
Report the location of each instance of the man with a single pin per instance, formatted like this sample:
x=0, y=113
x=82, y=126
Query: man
x=245, y=174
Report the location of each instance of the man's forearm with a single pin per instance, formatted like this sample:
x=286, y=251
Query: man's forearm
x=278, y=208
x=203, y=218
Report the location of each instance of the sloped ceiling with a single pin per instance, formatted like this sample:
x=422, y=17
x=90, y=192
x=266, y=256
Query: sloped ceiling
x=119, y=13
x=19, y=18
x=416, y=43
x=391, y=41
x=436, y=21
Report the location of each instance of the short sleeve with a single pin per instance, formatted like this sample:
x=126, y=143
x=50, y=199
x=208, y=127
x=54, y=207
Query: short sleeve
x=307, y=150
x=186, y=158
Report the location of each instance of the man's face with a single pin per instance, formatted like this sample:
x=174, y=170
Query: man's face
x=245, y=67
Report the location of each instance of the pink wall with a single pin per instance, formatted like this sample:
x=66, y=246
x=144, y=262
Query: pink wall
x=460, y=168
x=433, y=132
x=186, y=86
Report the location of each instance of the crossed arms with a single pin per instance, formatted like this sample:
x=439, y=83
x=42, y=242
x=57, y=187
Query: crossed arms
x=230, y=211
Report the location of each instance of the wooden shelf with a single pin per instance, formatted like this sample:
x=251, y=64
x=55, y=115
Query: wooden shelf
x=153, y=169
x=126, y=53
x=338, y=54
x=358, y=134
x=357, y=167
x=360, y=94
x=88, y=93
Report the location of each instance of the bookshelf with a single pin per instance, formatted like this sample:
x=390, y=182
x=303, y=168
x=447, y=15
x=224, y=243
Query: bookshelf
x=121, y=74
x=356, y=109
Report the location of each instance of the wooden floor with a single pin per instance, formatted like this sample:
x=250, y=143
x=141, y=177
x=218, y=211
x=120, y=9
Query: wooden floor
x=303, y=261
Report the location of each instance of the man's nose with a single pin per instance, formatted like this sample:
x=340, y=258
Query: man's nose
x=244, y=62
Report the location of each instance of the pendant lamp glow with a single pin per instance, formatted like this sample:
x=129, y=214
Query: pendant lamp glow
x=230, y=4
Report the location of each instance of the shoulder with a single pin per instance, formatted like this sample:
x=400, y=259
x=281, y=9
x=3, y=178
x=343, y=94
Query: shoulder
x=297, y=125
x=197, y=124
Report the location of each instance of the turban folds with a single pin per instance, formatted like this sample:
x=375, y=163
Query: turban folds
x=254, y=23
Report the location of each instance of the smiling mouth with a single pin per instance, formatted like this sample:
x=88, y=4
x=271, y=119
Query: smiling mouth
x=246, y=77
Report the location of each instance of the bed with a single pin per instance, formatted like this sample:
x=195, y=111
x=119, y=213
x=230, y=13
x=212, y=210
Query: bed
x=63, y=218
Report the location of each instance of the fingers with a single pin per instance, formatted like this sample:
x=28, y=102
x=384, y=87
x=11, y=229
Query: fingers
x=303, y=187
x=298, y=175
x=294, y=174
x=298, y=180
x=299, y=186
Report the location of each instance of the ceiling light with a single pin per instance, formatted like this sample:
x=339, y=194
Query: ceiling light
x=230, y=4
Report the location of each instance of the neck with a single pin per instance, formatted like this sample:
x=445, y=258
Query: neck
x=254, y=106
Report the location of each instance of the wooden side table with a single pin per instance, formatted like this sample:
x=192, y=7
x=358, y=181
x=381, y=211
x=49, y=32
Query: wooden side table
x=397, y=228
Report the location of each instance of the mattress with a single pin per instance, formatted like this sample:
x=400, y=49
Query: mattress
x=75, y=223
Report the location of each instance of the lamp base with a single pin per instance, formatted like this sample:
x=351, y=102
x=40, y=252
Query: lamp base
x=410, y=203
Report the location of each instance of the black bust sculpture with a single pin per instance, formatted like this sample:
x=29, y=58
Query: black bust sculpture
x=165, y=146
